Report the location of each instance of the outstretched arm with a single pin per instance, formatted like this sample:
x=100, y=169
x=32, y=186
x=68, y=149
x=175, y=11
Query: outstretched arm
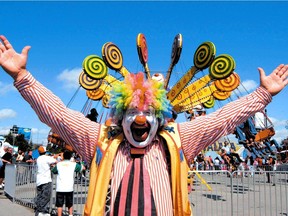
x=12, y=62
x=206, y=130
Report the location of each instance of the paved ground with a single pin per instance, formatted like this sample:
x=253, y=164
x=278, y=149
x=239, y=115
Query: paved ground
x=242, y=196
x=223, y=196
x=8, y=208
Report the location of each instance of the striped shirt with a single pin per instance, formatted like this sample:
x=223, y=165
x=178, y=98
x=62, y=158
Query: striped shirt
x=82, y=134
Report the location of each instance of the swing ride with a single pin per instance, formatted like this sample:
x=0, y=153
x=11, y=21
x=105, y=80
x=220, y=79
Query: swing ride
x=188, y=92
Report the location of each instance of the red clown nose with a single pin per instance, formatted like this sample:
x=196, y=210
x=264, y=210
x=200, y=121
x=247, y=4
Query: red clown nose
x=140, y=119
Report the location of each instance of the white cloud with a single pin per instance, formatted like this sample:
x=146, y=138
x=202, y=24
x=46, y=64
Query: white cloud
x=4, y=130
x=40, y=131
x=70, y=78
x=5, y=88
x=7, y=113
x=278, y=123
x=39, y=136
x=280, y=134
x=247, y=86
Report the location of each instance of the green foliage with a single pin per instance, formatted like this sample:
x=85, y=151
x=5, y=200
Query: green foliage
x=19, y=141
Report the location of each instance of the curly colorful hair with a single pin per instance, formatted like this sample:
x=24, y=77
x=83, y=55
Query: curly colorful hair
x=135, y=91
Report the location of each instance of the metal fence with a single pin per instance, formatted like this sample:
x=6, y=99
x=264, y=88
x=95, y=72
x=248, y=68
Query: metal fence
x=20, y=185
x=258, y=192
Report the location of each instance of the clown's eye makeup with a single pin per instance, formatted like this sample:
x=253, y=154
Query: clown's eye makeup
x=132, y=112
x=149, y=112
x=135, y=111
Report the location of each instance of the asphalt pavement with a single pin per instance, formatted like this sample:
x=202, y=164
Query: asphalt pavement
x=8, y=207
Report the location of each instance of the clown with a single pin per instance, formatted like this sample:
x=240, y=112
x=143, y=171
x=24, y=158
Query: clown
x=139, y=130
x=138, y=162
x=147, y=108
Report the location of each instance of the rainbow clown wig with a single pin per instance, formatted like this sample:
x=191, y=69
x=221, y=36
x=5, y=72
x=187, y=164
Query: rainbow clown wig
x=137, y=92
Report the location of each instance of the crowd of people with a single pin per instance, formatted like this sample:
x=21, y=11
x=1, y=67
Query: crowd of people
x=66, y=165
x=231, y=161
x=257, y=153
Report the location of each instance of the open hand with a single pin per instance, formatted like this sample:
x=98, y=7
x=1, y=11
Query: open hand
x=276, y=81
x=11, y=61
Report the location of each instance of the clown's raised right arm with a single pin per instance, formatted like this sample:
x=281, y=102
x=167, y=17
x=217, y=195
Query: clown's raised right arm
x=205, y=130
x=72, y=126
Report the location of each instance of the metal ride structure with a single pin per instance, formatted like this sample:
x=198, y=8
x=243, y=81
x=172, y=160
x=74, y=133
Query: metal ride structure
x=187, y=93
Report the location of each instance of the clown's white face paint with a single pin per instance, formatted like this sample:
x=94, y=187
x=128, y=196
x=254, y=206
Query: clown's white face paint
x=140, y=127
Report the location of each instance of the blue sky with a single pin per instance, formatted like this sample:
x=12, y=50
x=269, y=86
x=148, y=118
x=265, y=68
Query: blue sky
x=62, y=34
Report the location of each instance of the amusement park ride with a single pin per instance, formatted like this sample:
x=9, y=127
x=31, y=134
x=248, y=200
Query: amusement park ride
x=185, y=95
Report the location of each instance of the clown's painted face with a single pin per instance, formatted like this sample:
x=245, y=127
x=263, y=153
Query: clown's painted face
x=139, y=127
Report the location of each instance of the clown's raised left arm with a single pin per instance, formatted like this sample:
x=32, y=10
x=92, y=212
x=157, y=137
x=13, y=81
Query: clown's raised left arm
x=205, y=130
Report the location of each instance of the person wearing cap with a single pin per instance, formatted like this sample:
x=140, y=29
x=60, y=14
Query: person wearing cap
x=43, y=182
x=146, y=143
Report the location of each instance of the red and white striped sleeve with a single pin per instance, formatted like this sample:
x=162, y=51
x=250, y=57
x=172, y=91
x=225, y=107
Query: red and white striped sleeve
x=72, y=126
x=205, y=130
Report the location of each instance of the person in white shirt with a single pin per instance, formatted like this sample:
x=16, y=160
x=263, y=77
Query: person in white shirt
x=65, y=182
x=217, y=163
x=43, y=182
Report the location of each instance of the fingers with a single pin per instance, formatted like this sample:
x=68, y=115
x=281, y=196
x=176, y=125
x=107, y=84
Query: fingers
x=2, y=48
x=278, y=69
x=2, y=37
x=281, y=71
x=6, y=42
x=26, y=50
x=261, y=72
x=284, y=74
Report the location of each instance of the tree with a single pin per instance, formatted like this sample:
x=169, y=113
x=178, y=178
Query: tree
x=18, y=140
